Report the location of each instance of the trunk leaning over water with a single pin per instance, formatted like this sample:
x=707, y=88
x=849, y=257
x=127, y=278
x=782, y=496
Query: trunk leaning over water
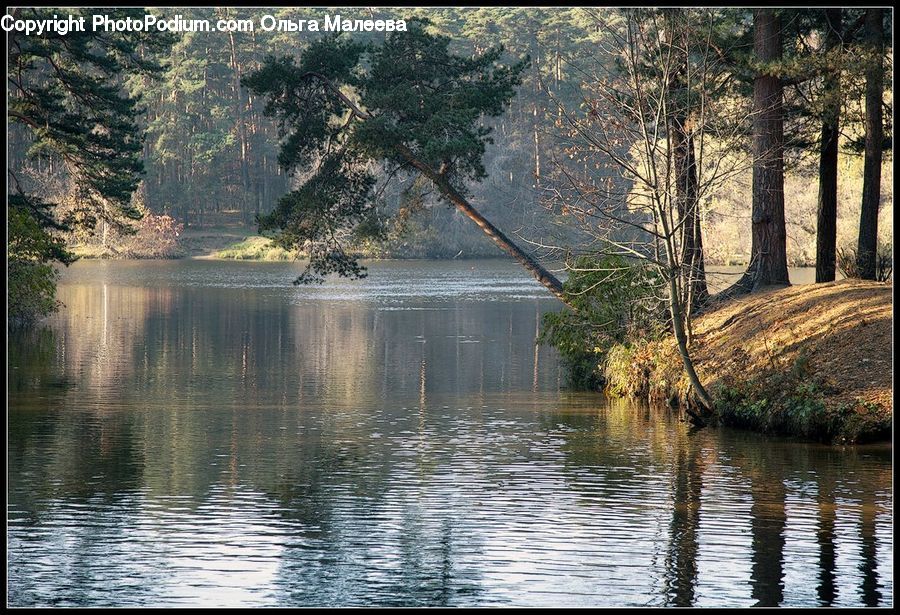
x=540, y=273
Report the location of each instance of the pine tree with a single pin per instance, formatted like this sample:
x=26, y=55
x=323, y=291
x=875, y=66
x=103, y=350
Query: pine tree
x=768, y=253
x=871, y=199
x=826, y=215
x=66, y=102
x=407, y=105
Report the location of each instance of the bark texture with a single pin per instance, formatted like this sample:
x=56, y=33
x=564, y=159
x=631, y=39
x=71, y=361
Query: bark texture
x=768, y=248
x=826, y=212
x=868, y=220
x=768, y=254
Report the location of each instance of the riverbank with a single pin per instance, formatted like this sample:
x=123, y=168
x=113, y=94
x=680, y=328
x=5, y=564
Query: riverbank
x=812, y=361
x=241, y=244
x=224, y=242
x=261, y=249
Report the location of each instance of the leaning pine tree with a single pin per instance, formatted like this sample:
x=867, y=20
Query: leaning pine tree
x=405, y=106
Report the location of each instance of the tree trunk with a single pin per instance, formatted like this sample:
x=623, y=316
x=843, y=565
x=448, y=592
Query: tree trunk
x=768, y=254
x=826, y=216
x=682, y=342
x=537, y=149
x=868, y=219
x=768, y=251
x=239, y=119
x=685, y=163
x=541, y=274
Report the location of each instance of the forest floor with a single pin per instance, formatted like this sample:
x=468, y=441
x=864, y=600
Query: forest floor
x=810, y=360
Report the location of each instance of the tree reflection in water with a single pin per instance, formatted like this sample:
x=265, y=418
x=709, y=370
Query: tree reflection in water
x=253, y=445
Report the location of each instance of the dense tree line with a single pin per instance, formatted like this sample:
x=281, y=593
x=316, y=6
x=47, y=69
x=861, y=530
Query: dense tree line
x=176, y=112
x=71, y=120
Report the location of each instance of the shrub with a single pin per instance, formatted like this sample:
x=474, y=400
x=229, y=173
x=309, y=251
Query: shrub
x=792, y=402
x=847, y=262
x=255, y=248
x=613, y=301
x=32, y=244
x=861, y=421
x=31, y=291
x=155, y=237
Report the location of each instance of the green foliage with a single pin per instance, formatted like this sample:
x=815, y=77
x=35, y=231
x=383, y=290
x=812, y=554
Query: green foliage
x=646, y=368
x=66, y=106
x=427, y=99
x=31, y=291
x=346, y=108
x=207, y=153
x=792, y=402
x=614, y=300
x=31, y=281
x=67, y=92
x=625, y=376
x=255, y=248
x=30, y=229
x=861, y=421
x=211, y=155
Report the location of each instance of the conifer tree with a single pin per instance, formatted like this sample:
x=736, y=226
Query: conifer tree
x=406, y=105
x=65, y=101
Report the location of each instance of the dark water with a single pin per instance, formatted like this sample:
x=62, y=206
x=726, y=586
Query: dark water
x=203, y=433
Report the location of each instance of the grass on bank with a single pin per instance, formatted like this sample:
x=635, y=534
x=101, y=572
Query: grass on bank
x=255, y=248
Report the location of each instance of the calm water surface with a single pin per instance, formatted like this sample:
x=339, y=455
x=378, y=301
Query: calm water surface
x=204, y=433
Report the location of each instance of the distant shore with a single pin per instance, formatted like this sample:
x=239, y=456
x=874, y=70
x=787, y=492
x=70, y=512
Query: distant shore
x=235, y=243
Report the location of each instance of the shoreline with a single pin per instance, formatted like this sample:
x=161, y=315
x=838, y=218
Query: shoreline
x=808, y=361
x=500, y=256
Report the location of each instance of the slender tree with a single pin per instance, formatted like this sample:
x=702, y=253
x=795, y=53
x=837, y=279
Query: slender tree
x=826, y=213
x=682, y=119
x=868, y=220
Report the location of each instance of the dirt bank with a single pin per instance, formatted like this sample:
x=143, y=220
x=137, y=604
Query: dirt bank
x=843, y=329
x=812, y=361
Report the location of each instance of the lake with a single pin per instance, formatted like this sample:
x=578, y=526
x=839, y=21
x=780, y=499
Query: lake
x=203, y=433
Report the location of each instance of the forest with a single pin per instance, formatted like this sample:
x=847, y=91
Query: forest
x=210, y=160
x=435, y=306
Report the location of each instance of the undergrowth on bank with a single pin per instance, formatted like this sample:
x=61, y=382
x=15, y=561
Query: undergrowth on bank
x=255, y=248
x=793, y=402
x=789, y=397
x=779, y=401
x=613, y=301
x=785, y=399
